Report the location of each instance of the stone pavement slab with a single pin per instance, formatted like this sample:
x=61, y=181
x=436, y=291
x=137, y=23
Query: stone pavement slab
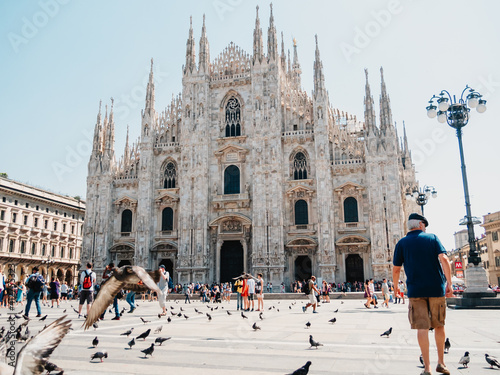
x=228, y=345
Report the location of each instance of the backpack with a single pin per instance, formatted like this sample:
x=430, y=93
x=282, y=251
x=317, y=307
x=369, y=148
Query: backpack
x=170, y=283
x=34, y=283
x=87, y=280
x=305, y=288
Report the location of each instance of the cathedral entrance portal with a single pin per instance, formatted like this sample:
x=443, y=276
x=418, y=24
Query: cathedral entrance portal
x=124, y=262
x=231, y=260
x=303, y=268
x=169, y=266
x=354, y=268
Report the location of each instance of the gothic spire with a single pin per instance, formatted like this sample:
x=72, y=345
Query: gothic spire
x=257, y=41
x=369, y=111
x=96, y=145
x=283, y=57
x=272, y=40
x=150, y=93
x=296, y=71
x=190, y=51
x=204, y=59
x=406, y=149
x=319, y=78
x=126, y=153
x=385, y=105
x=110, y=132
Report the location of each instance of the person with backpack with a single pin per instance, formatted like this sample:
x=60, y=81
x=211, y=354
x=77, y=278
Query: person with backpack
x=309, y=288
x=34, y=282
x=87, y=282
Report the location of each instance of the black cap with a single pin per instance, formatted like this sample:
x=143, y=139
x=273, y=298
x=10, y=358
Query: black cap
x=415, y=216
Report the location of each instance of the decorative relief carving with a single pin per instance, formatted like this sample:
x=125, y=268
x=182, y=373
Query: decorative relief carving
x=231, y=226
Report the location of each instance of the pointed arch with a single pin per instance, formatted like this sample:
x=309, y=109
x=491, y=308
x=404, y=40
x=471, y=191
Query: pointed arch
x=232, y=110
x=169, y=174
x=299, y=162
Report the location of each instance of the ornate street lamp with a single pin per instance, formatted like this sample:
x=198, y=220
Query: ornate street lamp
x=456, y=113
x=422, y=195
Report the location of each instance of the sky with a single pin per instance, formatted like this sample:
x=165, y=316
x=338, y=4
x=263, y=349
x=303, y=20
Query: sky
x=59, y=58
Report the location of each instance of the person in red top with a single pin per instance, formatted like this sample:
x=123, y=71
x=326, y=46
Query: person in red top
x=244, y=294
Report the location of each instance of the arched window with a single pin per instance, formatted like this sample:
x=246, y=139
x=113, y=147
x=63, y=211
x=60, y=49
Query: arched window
x=232, y=180
x=233, y=118
x=299, y=166
x=126, y=221
x=301, y=216
x=350, y=210
x=170, y=176
x=167, y=219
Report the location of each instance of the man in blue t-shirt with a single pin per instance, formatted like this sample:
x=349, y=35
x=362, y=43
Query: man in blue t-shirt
x=428, y=281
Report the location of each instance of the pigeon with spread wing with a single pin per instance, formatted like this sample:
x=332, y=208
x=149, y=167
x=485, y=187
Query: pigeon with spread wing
x=127, y=277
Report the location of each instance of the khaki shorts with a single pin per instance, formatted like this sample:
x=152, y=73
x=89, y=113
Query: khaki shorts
x=427, y=312
x=312, y=299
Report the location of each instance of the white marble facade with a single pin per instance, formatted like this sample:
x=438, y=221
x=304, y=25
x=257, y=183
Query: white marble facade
x=245, y=171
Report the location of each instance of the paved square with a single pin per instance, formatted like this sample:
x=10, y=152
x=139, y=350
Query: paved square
x=228, y=345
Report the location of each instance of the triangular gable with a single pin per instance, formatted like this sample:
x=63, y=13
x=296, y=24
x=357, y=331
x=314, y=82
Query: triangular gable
x=349, y=184
x=125, y=200
x=300, y=188
x=167, y=196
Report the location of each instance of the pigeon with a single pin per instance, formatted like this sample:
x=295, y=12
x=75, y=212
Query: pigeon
x=159, y=316
x=131, y=343
x=99, y=355
x=491, y=361
x=228, y=312
x=255, y=327
x=64, y=311
x=43, y=318
x=127, y=333
x=173, y=314
x=49, y=367
x=465, y=360
x=149, y=350
x=336, y=311
x=209, y=316
x=95, y=325
x=144, y=334
x=185, y=316
x=422, y=360
x=169, y=319
x=332, y=320
x=261, y=316
x=127, y=277
x=182, y=309
x=308, y=325
x=244, y=316
x=35, y=353
x=160, y=340
x=304, y=370
x=75, y=310
x=179, y=315
x=447, y=346
x=95, y=342
x=314, y=343
x=387, y=333
x=196, y=310
x=144, y=320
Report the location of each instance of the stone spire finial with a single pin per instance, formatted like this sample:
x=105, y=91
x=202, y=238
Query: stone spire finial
x=385, y=105
x=190, y=50
x=258, y=53
x=319, y=78
x=204, y=58
x=369, y=111
x=150, y=93
x=272, y=40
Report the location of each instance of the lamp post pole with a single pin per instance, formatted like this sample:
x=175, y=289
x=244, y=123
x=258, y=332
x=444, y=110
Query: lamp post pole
x=456, y=114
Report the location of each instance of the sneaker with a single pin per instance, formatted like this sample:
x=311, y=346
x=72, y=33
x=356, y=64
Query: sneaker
x=315, y=312
x=131, y=310
x=442, y=369
x=304, y=309
x=39, y=315
x=25, y=317
x=116, y=318
x=251, y=310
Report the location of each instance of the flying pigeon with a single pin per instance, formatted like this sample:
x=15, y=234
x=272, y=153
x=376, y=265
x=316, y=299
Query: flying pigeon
x=308, y=325
x=37, y=350
x=99, y=355
x=465, y=360
x=255, y=327
x=314, y=343
x=387, y=333
x=131, y=343
x=160, y=340
x=95, y=342
x=49, y=367
x=244, y=316
x=447, y=346
x=126, y=277
x=127, y=333
x=304, y=370
x=149, y=350
x=144, y=334
x=491, y=361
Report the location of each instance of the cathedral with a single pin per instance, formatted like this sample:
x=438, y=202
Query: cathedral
x=245, y=171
